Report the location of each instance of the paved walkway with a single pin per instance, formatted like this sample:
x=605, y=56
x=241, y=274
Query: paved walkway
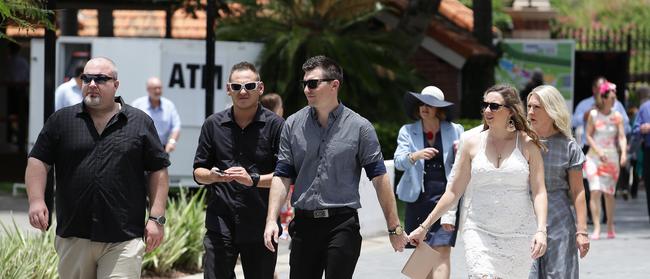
x=623, y=257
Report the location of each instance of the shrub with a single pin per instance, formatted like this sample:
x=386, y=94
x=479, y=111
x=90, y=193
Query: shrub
x=182, y=248
x=387, y=135
x=27, y=255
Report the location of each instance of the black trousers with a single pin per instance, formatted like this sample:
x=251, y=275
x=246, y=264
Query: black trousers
x=646, y=175
x=221, y=254
x=329, y=244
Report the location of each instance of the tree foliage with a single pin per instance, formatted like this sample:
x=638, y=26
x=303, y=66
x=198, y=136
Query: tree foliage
x=373, y=59
x=595, y=13
x=28, y=14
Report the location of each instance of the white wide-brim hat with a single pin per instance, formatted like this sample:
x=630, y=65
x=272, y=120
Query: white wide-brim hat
x=430, y=95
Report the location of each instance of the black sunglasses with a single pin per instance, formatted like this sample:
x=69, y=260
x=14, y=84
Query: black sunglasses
x=99, y=79
x=313, y=83
x=492, y=106
x=248, y=86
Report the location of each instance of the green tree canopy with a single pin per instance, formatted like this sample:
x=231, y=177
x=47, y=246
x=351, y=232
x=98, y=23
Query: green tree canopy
x=27, y=14
x=373, y=59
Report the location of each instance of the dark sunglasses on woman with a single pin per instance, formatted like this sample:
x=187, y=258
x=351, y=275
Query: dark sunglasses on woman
x=492, y=106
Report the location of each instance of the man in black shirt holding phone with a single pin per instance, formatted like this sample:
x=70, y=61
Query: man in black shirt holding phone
x=236, y=156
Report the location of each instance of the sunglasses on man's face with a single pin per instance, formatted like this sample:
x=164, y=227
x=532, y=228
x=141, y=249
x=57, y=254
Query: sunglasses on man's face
x=313, y=83
x=249, y=86
x=99, y=79
x=492, y=106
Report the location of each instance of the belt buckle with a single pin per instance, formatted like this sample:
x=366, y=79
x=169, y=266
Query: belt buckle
x=321, y=213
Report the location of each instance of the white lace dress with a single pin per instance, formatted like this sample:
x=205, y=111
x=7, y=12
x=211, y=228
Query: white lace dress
x=499, y=220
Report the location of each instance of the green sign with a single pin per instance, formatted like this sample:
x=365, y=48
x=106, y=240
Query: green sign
x=554, y=59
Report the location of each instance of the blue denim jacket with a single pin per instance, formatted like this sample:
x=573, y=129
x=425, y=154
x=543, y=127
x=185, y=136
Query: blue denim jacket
x=410, y=140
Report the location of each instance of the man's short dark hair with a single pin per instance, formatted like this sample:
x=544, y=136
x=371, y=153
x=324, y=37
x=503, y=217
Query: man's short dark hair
x=330, y=68
x=78, y=70
x=242, y=66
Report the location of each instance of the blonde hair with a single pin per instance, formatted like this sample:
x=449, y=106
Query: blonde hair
x=555, y=106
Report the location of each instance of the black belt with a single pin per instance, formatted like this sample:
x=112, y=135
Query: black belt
x=324, y=213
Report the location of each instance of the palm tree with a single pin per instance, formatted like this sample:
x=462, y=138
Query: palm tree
x=374, y=60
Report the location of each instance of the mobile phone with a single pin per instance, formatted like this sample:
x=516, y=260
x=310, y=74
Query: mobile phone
x=218, y=171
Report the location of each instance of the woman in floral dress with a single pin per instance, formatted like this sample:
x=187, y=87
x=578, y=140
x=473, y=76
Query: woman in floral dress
x=607, y=152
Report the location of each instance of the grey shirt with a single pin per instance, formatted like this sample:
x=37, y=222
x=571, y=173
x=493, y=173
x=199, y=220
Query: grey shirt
x=326, y=161
x=563, y=155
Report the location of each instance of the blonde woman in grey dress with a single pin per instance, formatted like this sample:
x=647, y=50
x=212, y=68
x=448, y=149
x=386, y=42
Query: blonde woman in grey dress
x=567, y=234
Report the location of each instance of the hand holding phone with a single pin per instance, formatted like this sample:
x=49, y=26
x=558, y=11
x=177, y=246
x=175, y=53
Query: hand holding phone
x=218, y=171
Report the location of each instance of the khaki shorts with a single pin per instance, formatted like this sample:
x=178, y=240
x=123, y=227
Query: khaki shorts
x=80, y=258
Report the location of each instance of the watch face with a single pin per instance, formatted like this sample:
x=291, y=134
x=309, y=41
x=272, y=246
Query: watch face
x=399, y=230
x=162, y=220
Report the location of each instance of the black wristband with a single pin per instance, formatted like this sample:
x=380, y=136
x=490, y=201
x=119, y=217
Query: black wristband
x=256, y=179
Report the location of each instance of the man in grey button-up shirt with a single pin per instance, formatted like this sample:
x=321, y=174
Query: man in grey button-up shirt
x=322, y=149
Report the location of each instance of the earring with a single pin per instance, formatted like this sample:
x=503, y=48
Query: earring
x=511, y=126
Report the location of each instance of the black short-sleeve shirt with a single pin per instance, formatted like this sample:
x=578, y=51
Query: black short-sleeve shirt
x=223, y=144
x=100, y=183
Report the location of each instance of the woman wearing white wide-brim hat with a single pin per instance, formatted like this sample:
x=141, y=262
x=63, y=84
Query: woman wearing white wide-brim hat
x=425, y=152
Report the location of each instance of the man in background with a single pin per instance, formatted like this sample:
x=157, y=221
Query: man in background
x=163, y=112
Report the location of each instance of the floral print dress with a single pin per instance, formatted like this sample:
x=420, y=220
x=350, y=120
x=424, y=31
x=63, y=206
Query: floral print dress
x=602, y=176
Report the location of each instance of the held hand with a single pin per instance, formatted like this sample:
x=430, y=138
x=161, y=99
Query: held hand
x=219, y=176
x=398, y=242
x=417, y=236
x=38, y=214
x=582, y=242
x=538, y=245
x=153, y=235
x=602, y=156
x=456, y=144
x=448, y=227
x=270, y=235
x=240, y=175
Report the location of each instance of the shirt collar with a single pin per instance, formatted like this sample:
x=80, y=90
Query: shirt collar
x=259, y=115
x=117, y=99
x=334, y=114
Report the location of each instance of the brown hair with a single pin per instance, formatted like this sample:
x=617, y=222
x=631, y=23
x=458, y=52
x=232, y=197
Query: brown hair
x=271, y=101
x=513, y=102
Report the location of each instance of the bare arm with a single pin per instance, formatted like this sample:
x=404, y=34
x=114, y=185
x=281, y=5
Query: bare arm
x=578, y=193
x=158, y=188
x=622, y=141
x=455, y=189
x=589, y=134
x=171, y=142
x=540, y=201
x=35, y=182
x=277, y=196
x=388, y=205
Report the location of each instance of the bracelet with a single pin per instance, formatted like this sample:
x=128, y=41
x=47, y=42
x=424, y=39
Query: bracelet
x=424, y=228
x=542, y=231
x=582, y=233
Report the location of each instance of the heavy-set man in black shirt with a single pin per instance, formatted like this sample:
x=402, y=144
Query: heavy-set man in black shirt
x=235, y=158
x=100, y=149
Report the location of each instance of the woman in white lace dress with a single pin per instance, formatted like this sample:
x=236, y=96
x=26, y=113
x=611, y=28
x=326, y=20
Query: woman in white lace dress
x=502, y=227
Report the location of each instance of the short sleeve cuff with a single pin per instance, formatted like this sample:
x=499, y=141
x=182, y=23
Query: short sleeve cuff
x=284, y=170
x=375, y=169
